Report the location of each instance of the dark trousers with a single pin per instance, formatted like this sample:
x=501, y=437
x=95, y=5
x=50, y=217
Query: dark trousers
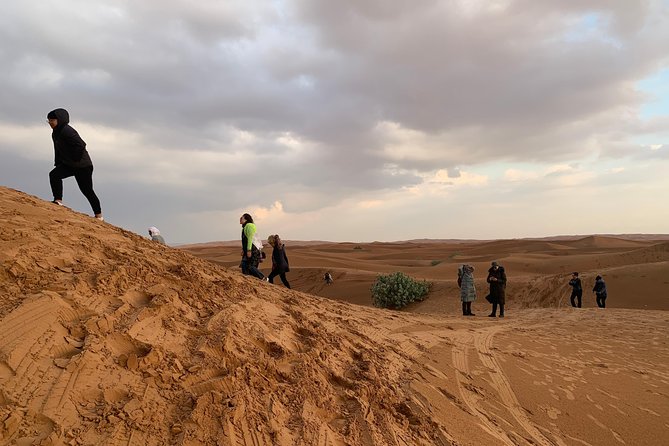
x=601, y=301
x=273, y=274
x=250, y=265
x=576, y=294
x=494, y=309
x=84, y=177
x=467, y=309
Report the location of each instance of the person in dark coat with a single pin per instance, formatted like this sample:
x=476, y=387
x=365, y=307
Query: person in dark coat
x=600, y=291
x=71, y=160
x=577, y=289
x=497, y=280
x=280, y=264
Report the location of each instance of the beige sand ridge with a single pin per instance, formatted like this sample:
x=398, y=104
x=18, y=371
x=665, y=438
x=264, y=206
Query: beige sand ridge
x=108, y=338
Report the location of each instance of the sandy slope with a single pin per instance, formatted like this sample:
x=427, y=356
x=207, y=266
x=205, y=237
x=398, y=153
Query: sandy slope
x=107, y=338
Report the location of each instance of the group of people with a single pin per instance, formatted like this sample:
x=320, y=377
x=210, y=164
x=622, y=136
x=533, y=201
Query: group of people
x=71, y=159
x=252, y=253
x=497, y=295
x=577, y=291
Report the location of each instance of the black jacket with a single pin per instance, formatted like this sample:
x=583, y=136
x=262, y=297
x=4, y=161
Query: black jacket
x=280, y=260
x=576, y=284
x=497, y=287
x=68, y=146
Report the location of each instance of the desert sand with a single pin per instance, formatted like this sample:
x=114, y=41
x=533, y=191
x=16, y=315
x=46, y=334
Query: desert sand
x=109, y=338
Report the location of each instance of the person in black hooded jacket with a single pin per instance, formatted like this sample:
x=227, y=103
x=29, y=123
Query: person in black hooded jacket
x=497, y=280
x=71, y=159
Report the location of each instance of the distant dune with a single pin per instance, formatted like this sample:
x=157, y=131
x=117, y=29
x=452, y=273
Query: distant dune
x=109, y=338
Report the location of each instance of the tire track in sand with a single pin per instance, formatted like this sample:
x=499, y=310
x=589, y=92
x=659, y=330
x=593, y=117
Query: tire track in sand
x=501, y=384
x=463, y=378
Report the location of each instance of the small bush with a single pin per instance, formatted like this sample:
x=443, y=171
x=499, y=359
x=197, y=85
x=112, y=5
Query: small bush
x=435, y=262
x=398, y=290
x=358, y=247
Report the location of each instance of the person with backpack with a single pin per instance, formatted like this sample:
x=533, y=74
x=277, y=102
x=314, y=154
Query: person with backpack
x=577, y=290
x=250, y=251
x=71, y=160
x=280, y=264
x=467, y=288
x=497, y=280
x=600, y=291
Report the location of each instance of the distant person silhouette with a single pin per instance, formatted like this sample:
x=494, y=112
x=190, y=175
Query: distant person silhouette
x=154, y=233
x=600, y=291
x=576, y=291
x=327, y=277
x=71, y=159
x=497, y=280
x=250, y=252
x=467, y=288
x=280, y=264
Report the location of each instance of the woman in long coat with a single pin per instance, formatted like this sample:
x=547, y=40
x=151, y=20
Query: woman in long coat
x=497, y=280
x=467, y=288
x=280, y=264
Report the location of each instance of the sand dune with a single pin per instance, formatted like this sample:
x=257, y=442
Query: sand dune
x=108, y=338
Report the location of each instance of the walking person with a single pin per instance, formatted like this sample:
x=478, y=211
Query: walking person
x=250, y=252
x=154, y=233
x=467, y=288
x=497, y=280
x=71, y=160
x=600, y=291
x=280, y=264
x=576, y=290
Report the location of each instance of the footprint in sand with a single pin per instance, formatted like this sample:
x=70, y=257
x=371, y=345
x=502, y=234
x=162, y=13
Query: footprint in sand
x=552, y=412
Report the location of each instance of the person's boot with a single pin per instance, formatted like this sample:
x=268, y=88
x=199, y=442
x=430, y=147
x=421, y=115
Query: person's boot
x=501, y=310
x=469, y=309
x=494, y=310
x=464, y=308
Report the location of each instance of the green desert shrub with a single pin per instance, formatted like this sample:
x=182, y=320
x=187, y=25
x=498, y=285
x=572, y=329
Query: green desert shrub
x=398, y=290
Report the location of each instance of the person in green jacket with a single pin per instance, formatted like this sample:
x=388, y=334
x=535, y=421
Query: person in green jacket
x=250, y=253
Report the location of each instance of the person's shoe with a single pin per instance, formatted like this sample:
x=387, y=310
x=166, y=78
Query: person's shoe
x=100, y=217
x=492, y=315
x=501, y=315
x=266, y=279
x=471, y=314
x=59, y=203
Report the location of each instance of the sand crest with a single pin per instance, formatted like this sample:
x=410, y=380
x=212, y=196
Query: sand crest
x=108, y=338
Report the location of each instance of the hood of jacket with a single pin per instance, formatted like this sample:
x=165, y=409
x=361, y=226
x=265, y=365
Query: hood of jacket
x=61, y=115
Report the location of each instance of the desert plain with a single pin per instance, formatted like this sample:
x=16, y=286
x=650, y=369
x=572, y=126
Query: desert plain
x=109, y=338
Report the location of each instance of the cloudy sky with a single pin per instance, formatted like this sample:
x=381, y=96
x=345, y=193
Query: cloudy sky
x=351, y=120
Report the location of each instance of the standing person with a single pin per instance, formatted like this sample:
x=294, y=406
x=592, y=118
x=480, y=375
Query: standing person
x=71, y=159
x=577, y=289
x=250, y=253
x=154, y=233
x=328, y=278
x=280, y=264
x=467, y=288
x=497, y=280
x=600, y=291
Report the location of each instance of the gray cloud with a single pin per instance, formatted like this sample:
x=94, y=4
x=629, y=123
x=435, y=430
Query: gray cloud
x=531, y=81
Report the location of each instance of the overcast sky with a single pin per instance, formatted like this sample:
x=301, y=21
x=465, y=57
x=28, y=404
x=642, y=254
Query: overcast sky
x=354, y=120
